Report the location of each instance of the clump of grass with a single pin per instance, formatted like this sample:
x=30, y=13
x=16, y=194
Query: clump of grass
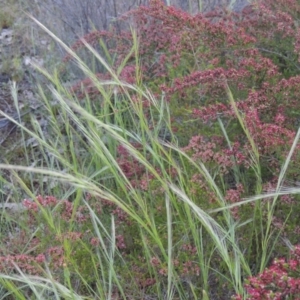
x=101, y=175
x=134, y=224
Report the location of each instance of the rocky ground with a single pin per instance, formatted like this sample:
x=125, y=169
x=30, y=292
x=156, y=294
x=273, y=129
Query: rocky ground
x=18, y=93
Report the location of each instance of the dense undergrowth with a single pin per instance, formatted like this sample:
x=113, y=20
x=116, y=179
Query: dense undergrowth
x=178, y=155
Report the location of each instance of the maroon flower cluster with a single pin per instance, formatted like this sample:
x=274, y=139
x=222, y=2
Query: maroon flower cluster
x=48, y=246
x=279, y=281
x=130, y=166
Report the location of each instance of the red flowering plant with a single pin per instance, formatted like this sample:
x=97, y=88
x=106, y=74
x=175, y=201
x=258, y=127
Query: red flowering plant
x=173, y=44
x=58, y=235
x=44, y=242
x=279, y=281
x=230, y=81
